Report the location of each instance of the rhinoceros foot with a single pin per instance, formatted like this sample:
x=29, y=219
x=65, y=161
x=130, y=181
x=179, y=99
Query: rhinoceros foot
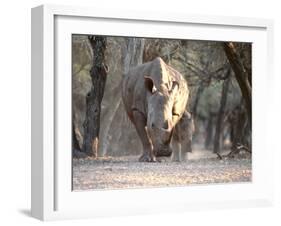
x=147, y=158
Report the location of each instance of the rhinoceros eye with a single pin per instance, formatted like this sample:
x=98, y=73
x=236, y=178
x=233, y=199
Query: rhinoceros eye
x=176, y=114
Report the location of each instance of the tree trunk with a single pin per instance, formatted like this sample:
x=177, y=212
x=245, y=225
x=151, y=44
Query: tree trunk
x=75, y=143
x=239, y=124
x=209, y=130
x=196, y=101
x=241, y=75
x=98, y=75
x=76, y=149
x=221, y=114
x=112, y=113
x=132, y=53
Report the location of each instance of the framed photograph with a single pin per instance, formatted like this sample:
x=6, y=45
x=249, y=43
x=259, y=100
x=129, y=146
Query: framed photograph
x=141, y=112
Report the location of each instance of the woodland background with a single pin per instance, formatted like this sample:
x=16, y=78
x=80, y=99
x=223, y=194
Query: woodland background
x=218, y=76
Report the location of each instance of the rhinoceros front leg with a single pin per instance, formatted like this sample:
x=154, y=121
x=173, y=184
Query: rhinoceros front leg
x=140, y=124
x=176, y=156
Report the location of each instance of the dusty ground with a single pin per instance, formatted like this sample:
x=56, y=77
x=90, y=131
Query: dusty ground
x=127, y=172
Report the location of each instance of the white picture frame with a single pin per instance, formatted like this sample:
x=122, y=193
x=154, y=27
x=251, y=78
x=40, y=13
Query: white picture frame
x=52, y=197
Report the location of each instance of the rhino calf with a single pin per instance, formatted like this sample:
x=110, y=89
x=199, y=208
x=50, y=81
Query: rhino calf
x=182, y=137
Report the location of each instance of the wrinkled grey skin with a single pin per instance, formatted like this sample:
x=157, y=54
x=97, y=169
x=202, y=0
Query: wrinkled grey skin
x=155, y=97
x=182, y=137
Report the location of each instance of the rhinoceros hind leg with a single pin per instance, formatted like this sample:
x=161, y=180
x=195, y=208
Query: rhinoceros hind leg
x=140, y=123
x=187, y=149
x=183, y=155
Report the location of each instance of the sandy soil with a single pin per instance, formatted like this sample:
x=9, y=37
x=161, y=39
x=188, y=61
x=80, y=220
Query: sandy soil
x=127, y=172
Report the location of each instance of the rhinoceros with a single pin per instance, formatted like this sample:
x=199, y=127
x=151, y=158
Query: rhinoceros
x=155, y=97
x=182, y=137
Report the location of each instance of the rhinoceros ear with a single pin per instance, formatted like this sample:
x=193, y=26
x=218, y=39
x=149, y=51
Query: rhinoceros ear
x=149, y=84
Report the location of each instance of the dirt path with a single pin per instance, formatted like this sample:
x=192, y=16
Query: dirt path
x=127, y=172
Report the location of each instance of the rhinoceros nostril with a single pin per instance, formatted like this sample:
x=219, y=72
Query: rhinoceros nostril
x=165, y=125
